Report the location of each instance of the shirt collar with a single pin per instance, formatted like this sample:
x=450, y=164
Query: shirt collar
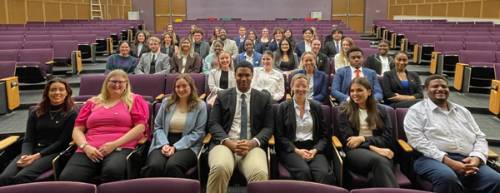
x=246, y=55
x=433, y=106
x=306, y=105
x=353, y=69
x=247, y=94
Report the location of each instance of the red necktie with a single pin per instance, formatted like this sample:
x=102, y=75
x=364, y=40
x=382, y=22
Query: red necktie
x=357, y=73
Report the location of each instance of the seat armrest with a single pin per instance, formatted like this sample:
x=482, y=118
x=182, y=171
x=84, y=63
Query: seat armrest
x=271, y=140
x=492, y=155
x=405, y=146
x=207, y=138
x=336, y=142
x=8, y=141
x=160, y=97
x=288, y=97
x=50, y=62
x=203, y=96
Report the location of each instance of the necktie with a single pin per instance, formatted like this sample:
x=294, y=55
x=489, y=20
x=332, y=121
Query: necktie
x=244, y=118
x=337, y=46
x=152, y=65
x=357, y=73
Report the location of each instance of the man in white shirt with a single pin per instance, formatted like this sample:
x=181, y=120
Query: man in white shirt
x=229, y=45
x=241, y=122
x=453, y=148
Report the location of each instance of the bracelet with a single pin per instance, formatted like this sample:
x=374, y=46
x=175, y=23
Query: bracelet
x=82, y=146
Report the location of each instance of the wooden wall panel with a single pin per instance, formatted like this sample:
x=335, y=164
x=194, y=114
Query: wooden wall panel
x=410, y=9
x=455, y=9
x=3, y=11
x=35, y=11
x=167, y=11
x=491, y=9
x=473, y=9
x=445, y=8
x=83, y=11
x=424, y=10
x=17, y=11
x=52, y=11
x=439, y=9
x=69, y=11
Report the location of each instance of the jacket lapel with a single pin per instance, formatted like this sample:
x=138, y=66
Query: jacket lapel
x=232, y=103
x=292, y=119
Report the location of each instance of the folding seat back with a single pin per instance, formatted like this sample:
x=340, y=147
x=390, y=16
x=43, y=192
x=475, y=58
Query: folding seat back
x=11, y=45
x=200, y=80
x=291, y=186
x=85, y=38
x=448, y=46
x=62, y=37
x=37, y=37
x=169, y=83
x=41, y=56
x=147, y=85
x=362, y=43
x=63, y=49
x=51, y=187
x=477, y=38
x=369, y=52
x=452, y=38
x=480, y=46
x=474, y=56
x=36, y=44
x=427, y=39
x=11, y=37
x=90, y=85
x=151, y=185
x=7, y=69
x=9, y=55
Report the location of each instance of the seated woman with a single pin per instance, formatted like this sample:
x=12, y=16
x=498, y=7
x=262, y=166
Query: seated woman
x=107, y=129
x=186, y=60
x=265, y=39
x=178, y=130
x=381, y=62
x=302, y=135
x=289, y=36
x=318, y=80
x=267, y=78
x=212, y=60
x=285, y=59
x=215, y=35
x=401, y=88
x=341, y=59
x=140, y=45
x=222, y=77
x=175, y=37
x=366, y=132
x=123, y=60
x=167, y=45
x=256, y=44
x=47, y=133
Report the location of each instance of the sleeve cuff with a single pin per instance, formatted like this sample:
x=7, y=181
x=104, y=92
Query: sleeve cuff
x=258, y=142
x=439, y=156
x=222, y=141
x=479, y=155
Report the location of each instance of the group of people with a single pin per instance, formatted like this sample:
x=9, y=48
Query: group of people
x=452, y=149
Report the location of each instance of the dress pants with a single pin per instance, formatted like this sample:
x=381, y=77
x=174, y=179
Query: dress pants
x=222, y=162
x=445, y=180
x=176, y=165
x=377, y=167
x=16, y=175
x=81, y=169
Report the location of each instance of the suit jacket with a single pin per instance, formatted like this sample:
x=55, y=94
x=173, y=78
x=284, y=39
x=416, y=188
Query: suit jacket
x=162, y=64
x=322, y=63
x=274, y=45
x=257, y=47
x=239, y=40
x=193, y=64
x=300, y=48
x=286, y=125
x=391, y=84
x=204, y=49
x=342, y=80
x=222, y=115
x=133, y=50
x=329, y=49
x=171, y=50
x=193, y=132
x=373, y=62
x=255, y=58
x=320, y=85
x=382, y=136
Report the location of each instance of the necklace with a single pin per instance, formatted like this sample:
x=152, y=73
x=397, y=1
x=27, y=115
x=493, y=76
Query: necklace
x=54, y=114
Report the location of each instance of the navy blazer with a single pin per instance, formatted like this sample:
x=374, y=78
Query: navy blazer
x=342, y=80
x=300, y=48
x=320, y=85
x=257, y=46
x=255, y=58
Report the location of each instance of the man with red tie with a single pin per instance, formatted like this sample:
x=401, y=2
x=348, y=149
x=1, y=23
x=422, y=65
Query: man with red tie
x=343, y=77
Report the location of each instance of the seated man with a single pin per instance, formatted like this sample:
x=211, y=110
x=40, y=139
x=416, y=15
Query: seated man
x=344, y=75
x=321, y=59
x=249, y=55
x=200, y=46
x=241, y=122
x=453, y=148
x=153, y=62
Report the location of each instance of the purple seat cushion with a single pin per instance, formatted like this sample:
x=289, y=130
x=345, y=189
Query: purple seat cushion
x=386, y=190
x=50, y=187
x=45, y=176
x=291, y=186
x=7, y=69
x=151, y=185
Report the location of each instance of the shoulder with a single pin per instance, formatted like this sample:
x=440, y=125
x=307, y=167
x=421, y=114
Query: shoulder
x=388, y=74
x=261, y=94
x=314, y=104
x=137, y=98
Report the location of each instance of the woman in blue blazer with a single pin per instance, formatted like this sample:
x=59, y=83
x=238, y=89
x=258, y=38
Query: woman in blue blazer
x=178, y=130
x=317, y=90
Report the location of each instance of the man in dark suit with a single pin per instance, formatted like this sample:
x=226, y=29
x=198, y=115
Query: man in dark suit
x=240, y=39
x=322, y=62
x=333, y=43
x=241, y=122
x=201, y=47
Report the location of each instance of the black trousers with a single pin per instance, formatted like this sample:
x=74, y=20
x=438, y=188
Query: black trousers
x=81, y=169
x=317, y=169
x=16, y=175
x=176, y=165
x=376, y=167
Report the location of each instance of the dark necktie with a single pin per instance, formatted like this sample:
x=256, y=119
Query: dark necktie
x=244, y=118
x=152, y=65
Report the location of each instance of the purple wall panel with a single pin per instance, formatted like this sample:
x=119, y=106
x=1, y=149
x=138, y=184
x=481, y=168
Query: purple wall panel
x=257, y=9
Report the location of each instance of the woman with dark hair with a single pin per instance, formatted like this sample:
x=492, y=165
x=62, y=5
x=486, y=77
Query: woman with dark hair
x=284, y=58
x=178, y=130
x=289, y=36
x=140, y=45
x=186, y=60
x=401, y=87
x=48, y=132
x=123, y=60
x=365, y=129
x=215, y=35
x=175, y=37
x=302, y=135
x=167, y=45
x=265, y=39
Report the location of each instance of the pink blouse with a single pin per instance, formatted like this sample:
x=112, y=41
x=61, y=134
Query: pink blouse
x=105, y=124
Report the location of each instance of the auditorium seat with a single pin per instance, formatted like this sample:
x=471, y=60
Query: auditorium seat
x=291, y=186
x=200, y=80
x=470, y=45
x=90, y=85
x=63, y=50
x=151, y=185
x=147, y=85
x=36, y=37
x=8, y=45
x=475, y=70
x=50, y=187
x=9, y=87
x=387, y=190
x=445, y=57
x=38, y=44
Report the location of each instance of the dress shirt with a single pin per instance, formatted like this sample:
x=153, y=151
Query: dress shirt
x=184, y=60
x=139, y=49
x=304, y=128
x=435, y=132
x=234, y=133
x=353, y=72
x=249, y=58
x=364, y=128
x=272, y=81
x=384, y=60
x=311, y=87
x=307, y=47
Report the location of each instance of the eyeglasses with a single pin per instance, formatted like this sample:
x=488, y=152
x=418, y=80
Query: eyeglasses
x=115, y=82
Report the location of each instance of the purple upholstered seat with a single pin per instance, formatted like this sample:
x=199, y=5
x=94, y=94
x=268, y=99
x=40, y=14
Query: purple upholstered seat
x=31, y=44
x=36, y=58
x=198, y=78
x=90, y=85
x=477, y=38
x=63, y=49
x=362, y=43
x=290, y=186
x=147, y=85
x=151, y=185
x=9, y=55
x=480, y=46
x=478, y=57
x=7, y=69
x=452, y=38
x=369, y=51
x=11, y=38
x=11, y=45
x=386, y=190
x=37, y=37
x=50, y=187
x=63, y=37
x=448, y=47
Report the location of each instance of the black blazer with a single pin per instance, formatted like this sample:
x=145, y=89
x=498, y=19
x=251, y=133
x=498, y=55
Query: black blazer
x=322, y=63
x=382, y=136
x=286, y=125
x=133, y=50
x=171, y=50
x=373, y=62
x=329, y=49
x=391, y=84
x=222, y=115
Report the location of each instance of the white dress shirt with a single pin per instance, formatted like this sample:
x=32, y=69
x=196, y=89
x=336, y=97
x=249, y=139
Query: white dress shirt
x=139, y=49
x=184, y=60
x=436, y=132
x=307, y=47
x=364, y=128
x=249, y=58
x=272, y=81
x=234, y=133
x=384, y=60
x=353, y=72
x=303, y=131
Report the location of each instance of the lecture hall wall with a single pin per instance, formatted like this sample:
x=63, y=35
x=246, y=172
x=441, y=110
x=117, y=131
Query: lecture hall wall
x=487, y=9
x=22, y=11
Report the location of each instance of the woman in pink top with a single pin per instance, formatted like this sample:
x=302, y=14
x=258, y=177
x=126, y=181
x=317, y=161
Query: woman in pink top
x=107, y=129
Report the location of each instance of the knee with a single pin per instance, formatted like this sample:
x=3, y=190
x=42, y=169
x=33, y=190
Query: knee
x=449, y=179
x=67, y=176
x=258, y=175
x=381, y=162
x=220, y=170
x=303, y=174
x=170, y=166
x=113, y=173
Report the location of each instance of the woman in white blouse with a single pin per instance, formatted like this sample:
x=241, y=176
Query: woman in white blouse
x=222, y=77
x=267, y=78
x=341, y=59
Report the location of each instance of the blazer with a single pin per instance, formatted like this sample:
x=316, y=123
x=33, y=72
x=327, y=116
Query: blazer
x=194, y=128
x=193, y=64
x=391, y=84
x=320, y=85
x=222, y=115
x=286, y=125
x=171, y=50
x=214, y=78
x=373, y=62
x=240, y=41
x=257, y=47
x=162, y=63
x=255, y=58
x=329, y=49
x=300, y=48
x=382, y=136
x=274, y=45
x=322, y=63
x=133, y=50
x=342, y=80
x=204, y=49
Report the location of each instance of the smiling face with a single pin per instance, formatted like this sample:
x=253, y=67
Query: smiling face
x=265, y=32
x=218, y=48
x=182, y=88
x=154, y=45
x=401, y=61
x=383, y=48
x=185, y=45
x=224, y=60
x=300, y=87
x=242, y=31
x=170, y=28
x=243, y=77
x=359, y=94
x=307, y=35
x=141, y=37
x=309, y=62
x=288, y=33
x=251, y=35
x=337, y=36
x=346, y=45
x=316, y=46
x=278, y=35
x=116, y=86
x=197, y=37
x=124, y=49
x=167, y=39
x=248, y=46
x=438, y=91
x=285, y=46
x=222, y=34
x=267, y=61
x=57, y=93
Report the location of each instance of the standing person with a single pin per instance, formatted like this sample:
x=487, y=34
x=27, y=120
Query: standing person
x=365, y=129
x=285, y=59
x=107, y=129
x=341, y=58
x=381, y=62
x=186, y=61
x=305, y=45
x=140, y=45
x=48, y=132
x=269, y=79
x=402, y=88
x=250, y=55
x=178, y=130
x=318, y=79
x=302, y=135
x=241, y=122
x=122, y=60
x=200, y=46
x=167, y=45
x=153, y=62
x=452, y=147
x=321, y=59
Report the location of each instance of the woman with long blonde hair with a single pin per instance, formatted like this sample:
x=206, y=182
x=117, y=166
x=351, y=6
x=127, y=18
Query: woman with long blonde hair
x=341, y=58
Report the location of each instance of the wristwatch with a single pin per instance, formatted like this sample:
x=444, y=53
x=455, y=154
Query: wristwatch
x=83, y=145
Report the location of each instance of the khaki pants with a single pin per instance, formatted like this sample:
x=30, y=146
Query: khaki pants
x=222, y=162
